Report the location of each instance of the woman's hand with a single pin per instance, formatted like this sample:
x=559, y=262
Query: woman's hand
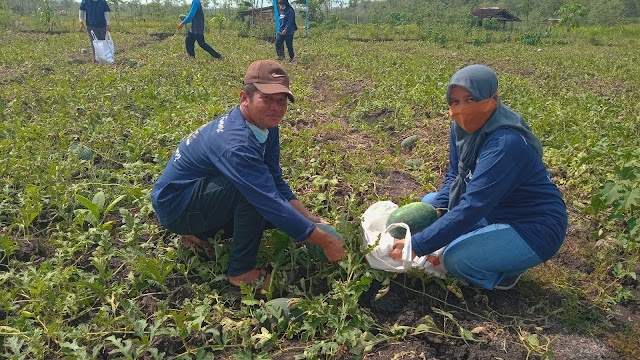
x=396, y=253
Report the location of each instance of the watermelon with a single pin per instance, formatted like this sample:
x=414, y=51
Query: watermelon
x=83, y=152
x=418, y=215
x=330, y=230
x=316, y=250
x=409, y=142
x=279, y=311
x=413, y=163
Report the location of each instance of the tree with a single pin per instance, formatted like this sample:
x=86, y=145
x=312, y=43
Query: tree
x=571, y=15
x=631, y=8
x=46, y=14
x=607, y=13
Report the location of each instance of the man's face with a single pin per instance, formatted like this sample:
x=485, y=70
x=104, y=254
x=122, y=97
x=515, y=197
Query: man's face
x=264, y=110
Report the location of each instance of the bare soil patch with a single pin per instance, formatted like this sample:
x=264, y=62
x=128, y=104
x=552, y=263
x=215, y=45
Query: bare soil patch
x=379, y=115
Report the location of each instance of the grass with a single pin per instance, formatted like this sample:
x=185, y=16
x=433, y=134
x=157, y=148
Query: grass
x=118, y=285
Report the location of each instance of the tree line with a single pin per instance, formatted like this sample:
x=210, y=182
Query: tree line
x=395, y=12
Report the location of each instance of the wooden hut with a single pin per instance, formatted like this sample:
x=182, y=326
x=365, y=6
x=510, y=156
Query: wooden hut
x=496, y=13
x=257, y=14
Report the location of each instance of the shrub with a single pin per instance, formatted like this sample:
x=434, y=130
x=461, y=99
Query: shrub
x=491, y=24
x=531, y=38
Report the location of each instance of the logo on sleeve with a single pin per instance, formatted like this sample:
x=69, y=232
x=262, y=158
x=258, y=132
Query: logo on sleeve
x=221, y=124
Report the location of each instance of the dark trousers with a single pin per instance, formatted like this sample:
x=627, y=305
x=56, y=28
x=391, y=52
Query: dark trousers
x=280, y=40
x=101, y=34
x=190, y=41
x=216, y=204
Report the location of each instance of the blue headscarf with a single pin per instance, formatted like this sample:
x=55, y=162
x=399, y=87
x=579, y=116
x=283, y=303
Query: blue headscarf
x=482, y=83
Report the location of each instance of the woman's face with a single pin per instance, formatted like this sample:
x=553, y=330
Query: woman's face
x=460, y=96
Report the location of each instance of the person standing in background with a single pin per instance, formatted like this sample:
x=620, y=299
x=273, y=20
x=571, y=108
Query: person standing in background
x=287, y=29
x=196, y=31
x=94, y=16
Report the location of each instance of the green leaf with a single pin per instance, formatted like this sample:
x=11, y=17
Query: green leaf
x=93, y=208
x=7, y=246
x=139, y=327
x=465, y=333
x=251, y=302
x=632, y=200
x=99, y=199
x=14, y=343
x=261, y=339
x=8, y=330
x=533, y=340
x=73, y=346
x=112, y=205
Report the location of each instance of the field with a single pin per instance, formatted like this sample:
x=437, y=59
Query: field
x=87, y=272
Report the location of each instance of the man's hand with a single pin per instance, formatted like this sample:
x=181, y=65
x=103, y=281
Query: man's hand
x=283, y=32
x=180, y=25
x=334, y=252
x=108, y=27
x=396, y=253
x=332, y=246
x=82, y=26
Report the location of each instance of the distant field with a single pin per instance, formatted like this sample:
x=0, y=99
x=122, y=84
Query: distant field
x=87, y=272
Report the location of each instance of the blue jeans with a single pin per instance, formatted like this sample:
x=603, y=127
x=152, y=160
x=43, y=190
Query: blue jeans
x=487, y=254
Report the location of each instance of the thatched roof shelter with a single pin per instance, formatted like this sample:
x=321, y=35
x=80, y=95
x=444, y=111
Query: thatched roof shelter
x=496, y=13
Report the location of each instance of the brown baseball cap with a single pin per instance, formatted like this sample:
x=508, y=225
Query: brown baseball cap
x=268, y=77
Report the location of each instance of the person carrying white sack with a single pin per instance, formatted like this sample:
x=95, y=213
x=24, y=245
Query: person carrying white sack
x=505, y=215
x=94, y=16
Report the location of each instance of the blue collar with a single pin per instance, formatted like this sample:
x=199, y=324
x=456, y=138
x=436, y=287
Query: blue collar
x=260, y=134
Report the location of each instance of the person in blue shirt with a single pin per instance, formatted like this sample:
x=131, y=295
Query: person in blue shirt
x=499, y=211
x=286, y=31
x=94, y=17
x=226, y=176
x=196, y=31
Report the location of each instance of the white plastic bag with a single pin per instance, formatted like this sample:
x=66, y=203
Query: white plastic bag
x=104, y=50
x=376, y=233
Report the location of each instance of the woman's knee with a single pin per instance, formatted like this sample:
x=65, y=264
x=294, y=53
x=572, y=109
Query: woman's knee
x=455, y=261
x=429, y=197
